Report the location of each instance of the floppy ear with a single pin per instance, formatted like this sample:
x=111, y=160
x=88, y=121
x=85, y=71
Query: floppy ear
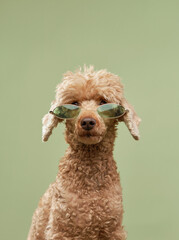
x=49, y=121
x=131, y=119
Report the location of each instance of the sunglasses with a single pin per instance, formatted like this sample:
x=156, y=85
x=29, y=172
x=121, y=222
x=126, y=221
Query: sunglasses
x=70, y=111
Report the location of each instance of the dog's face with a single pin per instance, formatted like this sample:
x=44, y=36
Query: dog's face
x=89, y=90
x=88, y=127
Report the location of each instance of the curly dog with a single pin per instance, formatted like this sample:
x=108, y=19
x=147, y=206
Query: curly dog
x=85, y=201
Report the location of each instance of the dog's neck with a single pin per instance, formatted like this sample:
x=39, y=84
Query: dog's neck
x=85, y=152
x=89, y=167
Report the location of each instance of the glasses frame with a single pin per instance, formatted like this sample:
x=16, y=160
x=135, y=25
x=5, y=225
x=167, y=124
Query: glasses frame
x=78, y=107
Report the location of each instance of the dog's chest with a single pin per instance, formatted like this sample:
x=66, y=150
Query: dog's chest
x=92, y=212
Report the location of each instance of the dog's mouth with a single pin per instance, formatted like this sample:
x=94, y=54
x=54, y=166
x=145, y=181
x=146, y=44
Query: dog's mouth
x=88, y=134
x=89, y=138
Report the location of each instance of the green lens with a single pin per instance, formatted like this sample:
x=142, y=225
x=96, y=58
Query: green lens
x=111, y=110
x=66, y=111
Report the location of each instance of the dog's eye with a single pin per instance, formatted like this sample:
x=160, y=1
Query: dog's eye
x=102, y=102
x=75, y=103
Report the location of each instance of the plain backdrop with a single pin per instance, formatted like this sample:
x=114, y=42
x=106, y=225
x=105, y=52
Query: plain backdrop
x=135, y=39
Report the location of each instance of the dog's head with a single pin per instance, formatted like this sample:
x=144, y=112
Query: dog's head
x=89, y=90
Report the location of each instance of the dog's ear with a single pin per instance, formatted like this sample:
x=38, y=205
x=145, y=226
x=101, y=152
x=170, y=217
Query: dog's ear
x=49, y=121
x=131, y=119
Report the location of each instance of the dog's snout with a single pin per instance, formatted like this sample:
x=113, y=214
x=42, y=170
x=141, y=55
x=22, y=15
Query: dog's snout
x=88, y=123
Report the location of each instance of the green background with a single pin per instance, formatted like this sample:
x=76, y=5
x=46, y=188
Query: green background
x=138, y=40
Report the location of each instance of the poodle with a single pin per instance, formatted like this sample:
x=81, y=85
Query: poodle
x=85, y=201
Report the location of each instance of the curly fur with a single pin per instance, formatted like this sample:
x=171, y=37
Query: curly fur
x=85, y=201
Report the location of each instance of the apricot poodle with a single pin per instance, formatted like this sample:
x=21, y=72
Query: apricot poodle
x=85, y=201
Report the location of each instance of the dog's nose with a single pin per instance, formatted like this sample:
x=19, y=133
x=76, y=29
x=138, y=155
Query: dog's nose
x=88, y=123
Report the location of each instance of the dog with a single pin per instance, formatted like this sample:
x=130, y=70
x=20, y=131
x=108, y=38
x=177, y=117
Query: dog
x=85, y=201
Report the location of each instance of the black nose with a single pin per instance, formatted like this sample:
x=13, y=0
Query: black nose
x=88, y=123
